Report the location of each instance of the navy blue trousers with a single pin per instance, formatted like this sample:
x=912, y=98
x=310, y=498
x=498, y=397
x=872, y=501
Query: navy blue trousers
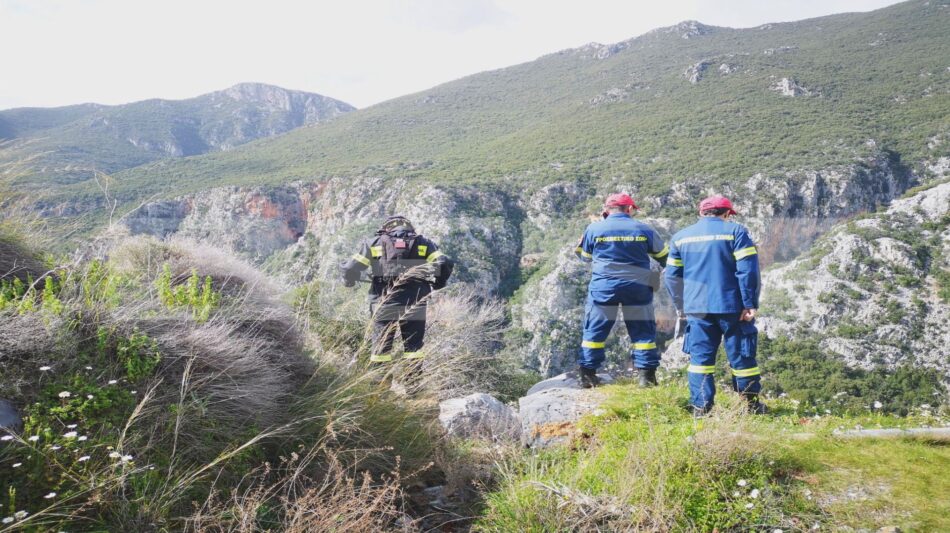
x=704, y=334
x=600, y=315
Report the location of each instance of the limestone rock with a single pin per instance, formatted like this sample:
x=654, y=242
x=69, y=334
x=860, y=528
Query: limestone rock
x=479, y=415
x=549, y=414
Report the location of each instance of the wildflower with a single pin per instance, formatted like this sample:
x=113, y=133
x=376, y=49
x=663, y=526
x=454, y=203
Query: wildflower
x=17, y=465
x=135, y=391
x=112, y=382
x=83, y=438
x=89, y=396
x=45, y=368
x=736, y=494
x=754, y=494
x=925, y=406
x=65, y=394
x=55, y=447
x=7, y=520
x=6, y=438
x=34, y=438
x=878, y=405
x=71, y=426
x=126, y=458
x=83, y=459
x=70, y=434
x=742, y=483
x=20, y=515
x=115, y=455
x=749, y=505
x=777, y=531
x=50, y=496
x=88, y=368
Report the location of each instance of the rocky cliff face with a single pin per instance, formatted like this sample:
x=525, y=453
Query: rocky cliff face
x=876, y=290
x=303, y=231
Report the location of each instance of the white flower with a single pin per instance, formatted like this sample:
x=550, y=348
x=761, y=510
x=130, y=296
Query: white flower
x=70, y=434
x=55, y=447
x=83, y=438
x=50, y=496
x=112, y=382
x=34, y=438
x=45, y=368
x=749, y=505
x=736, y=494
x=71, y=426
x=925, y=406
x=742, y=483
x=115, y=455
x=17, y=465
x=20, y=515
x=754, y=494
x=7, y=520
x=126, y=458
x=88, y=368
x=878, y=405
x=83, y=459
x=65, y=394
x=777, y=531
x=816, y=527
x=6, y=438
x=89, y=396
x=134, y=392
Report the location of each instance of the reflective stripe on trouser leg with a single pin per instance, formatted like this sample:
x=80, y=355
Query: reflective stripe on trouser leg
x=704, y=338
x=740, y=340
x=414, y=355
x=598, y=321
x=381, y=358
x=641, y=326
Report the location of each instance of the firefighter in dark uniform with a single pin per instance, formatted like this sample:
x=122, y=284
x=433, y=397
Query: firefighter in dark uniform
x=405, y=268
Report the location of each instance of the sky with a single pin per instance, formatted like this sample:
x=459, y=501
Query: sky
x=60, y=52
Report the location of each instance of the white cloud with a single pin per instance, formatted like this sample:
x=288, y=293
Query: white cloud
x=58, y=52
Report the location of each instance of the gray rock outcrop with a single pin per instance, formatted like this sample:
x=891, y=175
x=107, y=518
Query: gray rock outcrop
x=552, y=407
x=479, y=416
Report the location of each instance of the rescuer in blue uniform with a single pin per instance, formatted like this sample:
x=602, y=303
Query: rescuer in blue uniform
x=713, y=277
x=620, y=249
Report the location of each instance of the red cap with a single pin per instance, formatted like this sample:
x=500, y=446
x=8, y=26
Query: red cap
x=714, y=202
x=621, y=199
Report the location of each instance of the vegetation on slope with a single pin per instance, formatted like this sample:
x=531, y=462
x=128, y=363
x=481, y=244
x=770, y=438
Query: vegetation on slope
x=643, y=464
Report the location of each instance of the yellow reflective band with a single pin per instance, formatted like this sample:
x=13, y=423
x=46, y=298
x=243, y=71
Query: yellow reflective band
x=661, y=253
x=581, y=251
x=747, y=372
x=422, y=250
x=644, y=345
x=622, y=238
x=745, y=252
x=359, y=258
x=381, y=358
x=705, y=238
x=435, y=255
x=414, y=355
x=698, y=369
x=377, y=251
x=592, y=344
x=676, y=262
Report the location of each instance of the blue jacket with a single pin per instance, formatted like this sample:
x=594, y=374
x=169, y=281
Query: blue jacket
x=713, y=268
x=620, y=249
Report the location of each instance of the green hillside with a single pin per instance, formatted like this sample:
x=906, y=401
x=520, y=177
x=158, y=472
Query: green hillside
x=629, y=112
x=59, y=146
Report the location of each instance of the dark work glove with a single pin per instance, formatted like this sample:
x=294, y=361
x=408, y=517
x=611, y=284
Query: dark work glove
x=349, y=282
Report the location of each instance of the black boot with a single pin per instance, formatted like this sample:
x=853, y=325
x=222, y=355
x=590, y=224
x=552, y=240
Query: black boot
x=755, y=406
x=589, y=378
x=700, y=412
x=647, y=377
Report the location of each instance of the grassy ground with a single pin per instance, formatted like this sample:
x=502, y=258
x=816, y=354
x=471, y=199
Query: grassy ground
x=643, y=463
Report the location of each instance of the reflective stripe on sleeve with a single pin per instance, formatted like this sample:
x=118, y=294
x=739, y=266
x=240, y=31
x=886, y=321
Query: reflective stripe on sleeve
x=747, y=372
x=644, y=345
x=581, y=251
x=661, y=253
x=377, y=251
x=745, y=252
x=592, y=344
x=414, y=355
x=361, y=259
x=423, y=250
x=676, y=262
x=381, y=358
x=699, y=369
x=435, y=255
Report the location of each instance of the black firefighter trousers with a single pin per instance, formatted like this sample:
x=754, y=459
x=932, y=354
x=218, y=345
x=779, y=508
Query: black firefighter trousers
x=411, y=322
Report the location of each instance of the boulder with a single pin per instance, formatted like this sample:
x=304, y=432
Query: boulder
x=479, y=415
x=552, y=407
x=9, y=417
